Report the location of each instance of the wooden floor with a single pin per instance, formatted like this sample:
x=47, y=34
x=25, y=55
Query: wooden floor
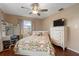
x=58, y=52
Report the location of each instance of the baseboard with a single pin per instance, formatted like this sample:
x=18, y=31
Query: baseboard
x=73, y=50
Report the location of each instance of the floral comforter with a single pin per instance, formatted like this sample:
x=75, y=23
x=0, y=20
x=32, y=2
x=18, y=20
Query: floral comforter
x=34, y=43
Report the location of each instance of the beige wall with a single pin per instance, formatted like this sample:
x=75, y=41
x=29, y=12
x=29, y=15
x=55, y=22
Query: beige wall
x=12, y=19
x=36, y=23
x=71, y=15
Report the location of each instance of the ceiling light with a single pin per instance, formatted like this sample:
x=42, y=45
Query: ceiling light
x=34, y=12
x=35, y=8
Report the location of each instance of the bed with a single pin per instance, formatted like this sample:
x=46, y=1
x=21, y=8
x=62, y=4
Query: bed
x=37, y=44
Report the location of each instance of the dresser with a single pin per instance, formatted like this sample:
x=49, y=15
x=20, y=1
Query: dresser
x=58, y=36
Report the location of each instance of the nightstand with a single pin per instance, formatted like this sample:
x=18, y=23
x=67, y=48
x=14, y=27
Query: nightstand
x=6, y=44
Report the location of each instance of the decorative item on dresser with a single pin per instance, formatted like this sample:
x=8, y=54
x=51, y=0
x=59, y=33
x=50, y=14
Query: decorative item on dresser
x=58, y=34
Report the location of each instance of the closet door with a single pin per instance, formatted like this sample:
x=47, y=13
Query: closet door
x=0, y=30
x=1, y=45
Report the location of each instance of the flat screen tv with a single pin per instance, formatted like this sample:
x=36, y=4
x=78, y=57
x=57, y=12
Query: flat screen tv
x=59, y=22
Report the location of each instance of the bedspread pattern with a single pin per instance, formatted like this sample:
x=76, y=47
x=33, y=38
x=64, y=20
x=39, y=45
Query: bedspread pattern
x=34, y=43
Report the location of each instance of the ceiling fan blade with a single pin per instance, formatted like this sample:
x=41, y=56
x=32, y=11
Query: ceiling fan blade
x=38, y=14
x=44, y=10
x=30, y=12
x=61, y=9
x=24, y=7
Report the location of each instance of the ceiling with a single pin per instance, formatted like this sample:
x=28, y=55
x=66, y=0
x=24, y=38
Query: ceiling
x=15, y=8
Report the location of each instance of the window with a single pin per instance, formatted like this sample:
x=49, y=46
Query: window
x=27, y=25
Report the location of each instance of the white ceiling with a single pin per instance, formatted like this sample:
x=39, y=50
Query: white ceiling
x=15, y=8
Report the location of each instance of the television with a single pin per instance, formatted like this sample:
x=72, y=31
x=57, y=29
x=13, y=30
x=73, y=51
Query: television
x=59, y=22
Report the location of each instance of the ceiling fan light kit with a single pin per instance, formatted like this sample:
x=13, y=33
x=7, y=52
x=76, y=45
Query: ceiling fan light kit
x=35, y=9
x=34, y=12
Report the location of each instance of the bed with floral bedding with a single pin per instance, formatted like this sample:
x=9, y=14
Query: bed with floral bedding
x=35, y=45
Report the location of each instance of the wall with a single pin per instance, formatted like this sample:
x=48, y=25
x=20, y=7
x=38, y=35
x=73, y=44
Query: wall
x=13, y=19
x=71, y=15
x=37, y=25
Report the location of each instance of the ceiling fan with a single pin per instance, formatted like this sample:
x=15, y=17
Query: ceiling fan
x=35, y=9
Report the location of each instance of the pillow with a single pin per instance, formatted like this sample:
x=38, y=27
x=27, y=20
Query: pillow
x=45, y=33
x=37, y=33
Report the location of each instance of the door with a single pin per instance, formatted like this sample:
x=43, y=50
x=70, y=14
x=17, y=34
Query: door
x=1, y=45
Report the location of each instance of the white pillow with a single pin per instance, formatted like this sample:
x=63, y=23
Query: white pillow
x=37, y=33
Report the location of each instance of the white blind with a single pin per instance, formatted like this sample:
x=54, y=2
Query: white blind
x=27, y=24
